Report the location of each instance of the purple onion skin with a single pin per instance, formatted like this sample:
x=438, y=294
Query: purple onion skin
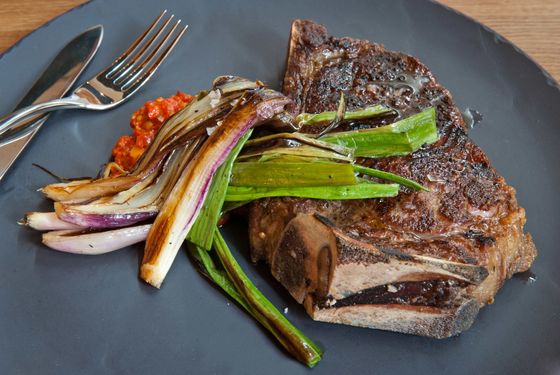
x=105, y=221
x=46, y=221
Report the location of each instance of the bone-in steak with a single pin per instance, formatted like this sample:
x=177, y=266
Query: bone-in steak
x=420, y=263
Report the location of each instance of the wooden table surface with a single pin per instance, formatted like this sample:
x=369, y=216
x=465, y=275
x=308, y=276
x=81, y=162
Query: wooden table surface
x=534, y=26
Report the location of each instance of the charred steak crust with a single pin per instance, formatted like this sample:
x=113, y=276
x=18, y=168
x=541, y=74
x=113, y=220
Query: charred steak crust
x=459, y=242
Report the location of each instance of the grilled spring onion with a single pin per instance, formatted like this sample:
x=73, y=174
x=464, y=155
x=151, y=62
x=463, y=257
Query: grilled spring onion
x=301, y=139
x=46, y=221
x=339, y=118
x=178, y=213
x=362, y=190
x=83, y=190
x=94, y=243
x=274, y=145
x=283, y=172
x=397, y=139
x=179, y=130
x=389, y=177
x=290, y=337
x=207, y=219
x=206, y=106
x=272, y=174
x=309, y=152
x=130, y=206
x=304, y=119
x=218, y=276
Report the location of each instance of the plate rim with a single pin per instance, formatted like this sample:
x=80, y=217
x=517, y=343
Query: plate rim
x=550, y=79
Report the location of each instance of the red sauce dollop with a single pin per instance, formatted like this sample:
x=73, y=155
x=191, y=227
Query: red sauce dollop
x=145, y=123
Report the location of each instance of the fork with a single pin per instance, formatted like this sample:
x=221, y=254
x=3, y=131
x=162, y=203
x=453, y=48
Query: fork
x=115, y=84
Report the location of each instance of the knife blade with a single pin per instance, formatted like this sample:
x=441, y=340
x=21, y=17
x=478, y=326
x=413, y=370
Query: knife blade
x=54, y=83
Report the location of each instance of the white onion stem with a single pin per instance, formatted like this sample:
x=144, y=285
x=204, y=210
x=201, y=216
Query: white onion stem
x=94, y=243
x=46, y=221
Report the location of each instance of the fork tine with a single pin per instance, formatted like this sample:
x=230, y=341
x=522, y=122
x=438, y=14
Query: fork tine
x=152, y=53
x=123, y=58
x=141, y=53
x=147, y=68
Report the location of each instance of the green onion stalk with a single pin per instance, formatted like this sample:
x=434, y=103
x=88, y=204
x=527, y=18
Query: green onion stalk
x=231, y=278
x=304, y=119
x=320, y=173
x=362, y=190
x=398, y=139
x=389, y=177
x=294, y=341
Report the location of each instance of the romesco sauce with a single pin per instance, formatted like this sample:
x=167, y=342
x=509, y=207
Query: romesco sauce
x=145, y=123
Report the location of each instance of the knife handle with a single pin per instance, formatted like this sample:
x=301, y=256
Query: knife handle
x=11, y=149
x=11, y=121
x=21, y=128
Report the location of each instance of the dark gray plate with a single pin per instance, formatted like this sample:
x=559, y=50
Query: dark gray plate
x=67, y=314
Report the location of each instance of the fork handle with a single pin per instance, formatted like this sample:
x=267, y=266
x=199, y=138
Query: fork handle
x=15, y=122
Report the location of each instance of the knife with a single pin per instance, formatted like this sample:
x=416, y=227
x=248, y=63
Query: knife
x=54, y=83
